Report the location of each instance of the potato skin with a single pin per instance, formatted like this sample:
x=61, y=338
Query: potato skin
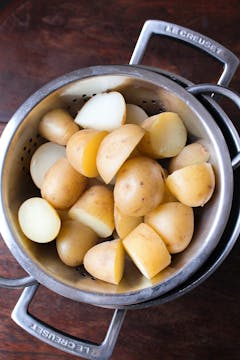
x=139, y=186
x=62, y=185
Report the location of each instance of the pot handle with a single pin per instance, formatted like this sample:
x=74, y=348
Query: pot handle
x=62, y=341
x=190, y=37
x=17, y=283
x=221, y=90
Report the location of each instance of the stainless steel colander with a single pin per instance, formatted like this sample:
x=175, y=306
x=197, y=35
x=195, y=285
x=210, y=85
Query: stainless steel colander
x=155, y=91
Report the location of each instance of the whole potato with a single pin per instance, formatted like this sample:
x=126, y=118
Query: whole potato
x=139, y=186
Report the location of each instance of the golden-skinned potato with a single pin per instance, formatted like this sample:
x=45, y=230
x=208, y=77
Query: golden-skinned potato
x=73, y=241
x=82, y=150
x=192, y=185
x=147, y=250
x=62, y=185
x=139, y=186
x=165, y=135
x=174, y=222
x=105, y=261
x=95, y=209
x=124, y=223
x=116, y=148
x=57, y=126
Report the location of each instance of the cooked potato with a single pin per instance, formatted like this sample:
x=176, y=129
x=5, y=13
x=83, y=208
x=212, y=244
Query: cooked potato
x=57, y=126
x=82, y=150
x=73, y=241
x=139, y=186
x=192, y=185
x=135, y=114
x=124, y=223
x=43, y=158
x=165, y=135
x=105, y=261
x=116, y=148
x=105, y=111
x=62, y=185
x=191, y=154
x=174, y=222
x=95, y=209
x=38, y=220
x=147, y=250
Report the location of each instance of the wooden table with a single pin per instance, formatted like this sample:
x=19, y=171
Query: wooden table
x=40, y=40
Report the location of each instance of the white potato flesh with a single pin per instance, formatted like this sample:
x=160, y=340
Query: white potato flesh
x=38, y=220
x=105, y=111
x=135, y=114
x=43, y=158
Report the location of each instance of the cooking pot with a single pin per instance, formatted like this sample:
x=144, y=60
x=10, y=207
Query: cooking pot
x=217, y=225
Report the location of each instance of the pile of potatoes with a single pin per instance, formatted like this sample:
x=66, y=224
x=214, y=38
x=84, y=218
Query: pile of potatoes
x=100, y=176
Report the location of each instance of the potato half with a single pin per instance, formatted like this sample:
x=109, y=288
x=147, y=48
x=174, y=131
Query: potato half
x=135, y=114
x=124, y=224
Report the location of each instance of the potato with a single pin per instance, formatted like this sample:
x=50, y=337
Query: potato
x=135, y=114
x=174, y=222
x=57, y=126
x=191, y=154
x=105, y=111
x=43, y=158
x=73, y=241
x=165, y=136
x=116, y=148
x=38, y=220
x=139, y=186
x=105, y=261
x=82, y=150
x=147, y=250
x=95, y=209
x=124, y=223
x=62, y=185
x=192, y=185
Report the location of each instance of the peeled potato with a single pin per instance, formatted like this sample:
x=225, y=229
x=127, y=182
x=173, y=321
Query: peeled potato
x=192, y=185
x=165, y=135
x=174, y=222
x=139, y=186
x=105, y=261
x=105, y=111
x=116, y=148
x=147, y=250
x=43, y=158
x=124, y=223
x=191, y=154
x=57, y=126
x=62, y=185
x=38, y=220
x=82, y=150
x=95, y=209
x=135, y=114
x=73, y=241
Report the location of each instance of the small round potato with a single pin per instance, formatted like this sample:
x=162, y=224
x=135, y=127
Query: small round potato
x=139, y=186
x=135, y=114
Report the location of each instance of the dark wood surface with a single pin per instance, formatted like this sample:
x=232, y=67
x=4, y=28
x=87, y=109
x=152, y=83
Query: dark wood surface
x=42, y=39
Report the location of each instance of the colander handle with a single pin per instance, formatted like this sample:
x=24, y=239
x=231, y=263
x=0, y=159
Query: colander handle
x=190, y=37
x=17, y=283
x=62, y=341
x=228, y=93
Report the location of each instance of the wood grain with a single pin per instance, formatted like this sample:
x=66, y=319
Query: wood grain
x=40, y=40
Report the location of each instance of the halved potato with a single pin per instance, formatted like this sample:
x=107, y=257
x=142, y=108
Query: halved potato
x=62, y=184
x=82, y=150
x=38, y=220
x=165, y=135
x=73, y=241
x=174, y=222
x=95, y=209
x=43, y=158
x=135, y=114
x=105, y=261
x=124, y=224
x=116, y=148
x=57, y=126
x=105, y=111
x=147, y=250
x=191, y=154
x=192, y=185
